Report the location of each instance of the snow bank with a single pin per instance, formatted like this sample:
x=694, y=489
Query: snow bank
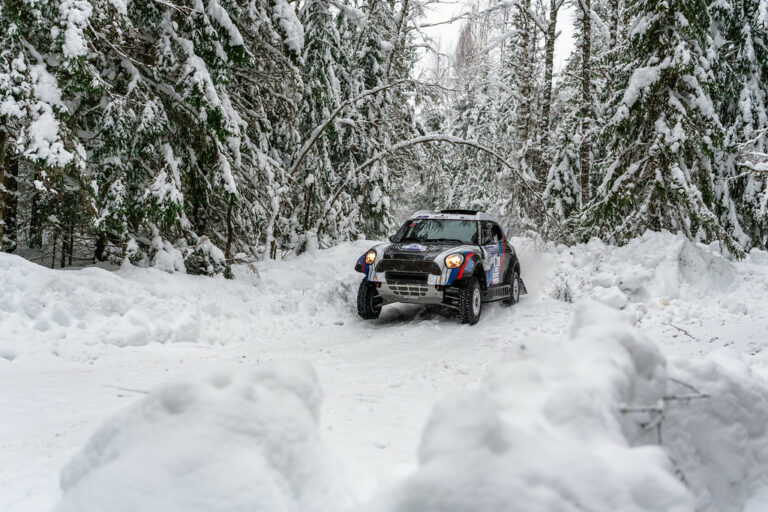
x=545, y=431
x=656, y=266
x=719, y=442
x=43, y=309
x=243, y=440
x=602, y=422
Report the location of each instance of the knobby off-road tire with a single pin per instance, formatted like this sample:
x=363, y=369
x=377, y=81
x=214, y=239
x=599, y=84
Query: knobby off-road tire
x=514, y=295
x=470, y=301
x=368, y=301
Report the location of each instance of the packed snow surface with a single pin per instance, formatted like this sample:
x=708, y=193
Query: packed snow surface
x=629, y=378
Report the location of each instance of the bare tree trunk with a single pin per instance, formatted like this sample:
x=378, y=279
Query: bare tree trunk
x=64, y=250
x=55, y=241
x=615, y=6
x=36, y=220
x=310, y=197
x=101, y=245
x=524, y=113
x=230, y=232
x=586, y=82
x=554, y=7
x=400, y=39
x=10, y=216
x=3, y=143
x=71, y=243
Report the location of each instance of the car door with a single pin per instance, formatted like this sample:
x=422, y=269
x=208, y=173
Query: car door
x=492, y=251
x=506, y=256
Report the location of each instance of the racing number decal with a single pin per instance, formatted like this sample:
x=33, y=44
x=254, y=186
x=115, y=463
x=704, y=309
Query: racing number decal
x=492, y=264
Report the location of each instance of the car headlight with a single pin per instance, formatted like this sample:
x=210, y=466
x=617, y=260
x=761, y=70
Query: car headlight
x=454, y=260
x=370, y=257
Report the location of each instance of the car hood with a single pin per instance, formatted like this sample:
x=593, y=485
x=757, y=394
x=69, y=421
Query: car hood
x=422, y=252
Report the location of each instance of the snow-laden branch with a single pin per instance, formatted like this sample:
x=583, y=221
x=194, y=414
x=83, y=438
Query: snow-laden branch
x=756, y=167
x=750, y=160
x=315, y=135
x=542, y=24
x=504, y=4
x=526, y=179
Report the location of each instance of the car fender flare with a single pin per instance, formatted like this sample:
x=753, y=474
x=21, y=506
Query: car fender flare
x=369, y=270
x=473, y=265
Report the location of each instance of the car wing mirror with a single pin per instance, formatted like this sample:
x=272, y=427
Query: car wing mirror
x=391, y=238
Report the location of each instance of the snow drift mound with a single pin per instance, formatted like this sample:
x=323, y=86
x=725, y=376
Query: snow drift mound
x=719, y=441
x=654, y=266
x=597, y=423
x=230, y=441
x=137, y=306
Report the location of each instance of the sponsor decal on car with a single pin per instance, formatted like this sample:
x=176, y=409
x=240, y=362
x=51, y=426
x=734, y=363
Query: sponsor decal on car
x=413, y=247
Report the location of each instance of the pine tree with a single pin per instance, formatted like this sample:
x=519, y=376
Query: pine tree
x=562, y=194
x=740, y=44
x=34, y=117
x=664, y=131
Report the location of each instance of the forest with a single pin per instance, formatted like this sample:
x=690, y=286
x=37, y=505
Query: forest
x=194, y=134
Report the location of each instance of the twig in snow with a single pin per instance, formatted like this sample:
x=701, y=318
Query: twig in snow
x=682, y=331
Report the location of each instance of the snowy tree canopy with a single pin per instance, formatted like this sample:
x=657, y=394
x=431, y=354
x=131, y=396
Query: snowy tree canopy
x=189, y=135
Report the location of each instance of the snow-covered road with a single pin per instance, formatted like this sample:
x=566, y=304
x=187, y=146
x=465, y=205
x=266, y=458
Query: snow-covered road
x=76, y=347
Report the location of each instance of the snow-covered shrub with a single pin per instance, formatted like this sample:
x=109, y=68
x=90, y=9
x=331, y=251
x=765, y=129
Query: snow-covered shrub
x=244, y=440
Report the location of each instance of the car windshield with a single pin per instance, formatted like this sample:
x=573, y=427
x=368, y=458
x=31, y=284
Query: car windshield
x=438, y=230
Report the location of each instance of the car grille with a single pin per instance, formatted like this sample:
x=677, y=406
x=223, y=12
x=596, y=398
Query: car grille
x=408, y=266
x=408, y=289
x=415, y=277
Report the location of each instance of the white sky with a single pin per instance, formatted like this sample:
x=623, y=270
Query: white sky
x=448, y=35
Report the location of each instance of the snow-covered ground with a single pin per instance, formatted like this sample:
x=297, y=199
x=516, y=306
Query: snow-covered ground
x=629, y=378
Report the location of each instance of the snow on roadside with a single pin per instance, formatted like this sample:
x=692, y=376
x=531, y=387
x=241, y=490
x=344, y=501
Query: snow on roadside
x=655, y=267
x=603, y=422
x=244, y=440
x=686, y=295
x=547, y=421
x=45, y=309
x=545, y=431
x=719, y=441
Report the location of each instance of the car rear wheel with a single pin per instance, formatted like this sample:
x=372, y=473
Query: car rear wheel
x=514, y=295
x=470, y=302
x=369, y=301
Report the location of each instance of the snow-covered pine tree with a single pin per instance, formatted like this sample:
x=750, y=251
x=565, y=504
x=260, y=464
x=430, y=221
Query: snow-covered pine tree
x=550, y=35
x=321, y=96
x=473, y=175
x=518, y=114
x=382, y=56
x=562, y=194
x=663, y=132
x=739, y=32
x=328, y=83
x=585, y=17
x=39, y=149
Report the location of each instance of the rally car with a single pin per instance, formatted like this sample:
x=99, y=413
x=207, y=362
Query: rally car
x=457, y=258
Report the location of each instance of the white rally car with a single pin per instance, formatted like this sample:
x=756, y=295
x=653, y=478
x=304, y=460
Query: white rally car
x=458, y=258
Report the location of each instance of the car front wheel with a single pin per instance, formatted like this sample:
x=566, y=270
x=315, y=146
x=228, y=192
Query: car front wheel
x=470, y=302
x=369, y=301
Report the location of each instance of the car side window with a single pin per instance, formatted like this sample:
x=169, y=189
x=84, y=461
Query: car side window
x=495, y=233
x=486, y=232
